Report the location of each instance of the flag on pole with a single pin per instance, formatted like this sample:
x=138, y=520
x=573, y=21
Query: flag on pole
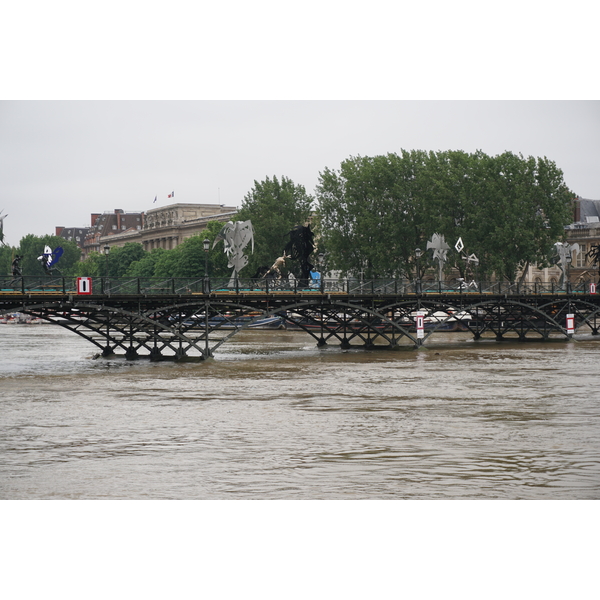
x=172, y=195
x=155, y=198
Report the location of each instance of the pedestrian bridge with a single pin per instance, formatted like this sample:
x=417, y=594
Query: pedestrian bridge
x=178, y=319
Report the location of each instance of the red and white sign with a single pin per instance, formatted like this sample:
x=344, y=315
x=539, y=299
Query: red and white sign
x=420, y=319
x=570, y=324
x=84, y=285
x=592, y=288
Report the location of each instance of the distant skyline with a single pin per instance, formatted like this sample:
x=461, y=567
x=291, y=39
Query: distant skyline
x=60, y=161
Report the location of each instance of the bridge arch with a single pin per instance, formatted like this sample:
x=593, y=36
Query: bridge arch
x=163, y=323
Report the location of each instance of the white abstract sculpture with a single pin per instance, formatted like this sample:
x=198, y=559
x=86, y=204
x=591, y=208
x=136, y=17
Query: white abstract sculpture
x=236, y=236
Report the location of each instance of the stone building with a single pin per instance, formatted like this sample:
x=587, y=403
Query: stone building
x=73, y=234
x=585, y=231
x=110, y=224
x=168, y=226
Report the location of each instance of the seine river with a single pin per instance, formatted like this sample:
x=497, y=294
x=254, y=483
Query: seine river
x=274, y=417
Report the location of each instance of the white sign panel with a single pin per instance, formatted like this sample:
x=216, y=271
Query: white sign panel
x=420, y=319
x=570, y=324
x=84, y=285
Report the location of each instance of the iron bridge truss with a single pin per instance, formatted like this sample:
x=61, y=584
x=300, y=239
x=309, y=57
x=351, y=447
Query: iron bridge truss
x=180, y=324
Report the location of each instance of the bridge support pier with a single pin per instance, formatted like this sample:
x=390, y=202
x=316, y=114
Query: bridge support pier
x=131, y=353
x=345, y=345
x=155, y=354
x=321, y=342
x=107, y=351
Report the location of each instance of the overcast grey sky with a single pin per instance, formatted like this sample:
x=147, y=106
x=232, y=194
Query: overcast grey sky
x=60, y=161
x=250, y=90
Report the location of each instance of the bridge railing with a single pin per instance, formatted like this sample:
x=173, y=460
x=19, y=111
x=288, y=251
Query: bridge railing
x=111, y=286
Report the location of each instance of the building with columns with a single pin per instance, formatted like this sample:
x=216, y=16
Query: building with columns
x=164, y=227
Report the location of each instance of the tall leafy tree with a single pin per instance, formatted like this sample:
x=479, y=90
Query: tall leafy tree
x=32, y=246
x=371, y=213
x=375, y=211
x=145, y=266
x=116, y=264
x=520, y=209
x=7, y=254
x=274, y=206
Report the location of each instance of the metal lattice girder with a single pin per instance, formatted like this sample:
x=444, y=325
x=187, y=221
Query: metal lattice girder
x=162, y=324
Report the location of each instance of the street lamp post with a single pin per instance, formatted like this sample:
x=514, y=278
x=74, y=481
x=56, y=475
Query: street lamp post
x=106, y=252
x=104, y=283
x=418, y=253
x=206, y=245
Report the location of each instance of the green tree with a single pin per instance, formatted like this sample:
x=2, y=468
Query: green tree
x=146, y=265
x=32, y=246
x=189, y=258
x=520, y=209
x=7, y=254
x=275, y=208
x=116, y=264
x=375, y=211
x=371, y=213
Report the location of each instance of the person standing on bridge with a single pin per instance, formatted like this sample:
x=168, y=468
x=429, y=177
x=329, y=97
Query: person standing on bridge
x=16, y=267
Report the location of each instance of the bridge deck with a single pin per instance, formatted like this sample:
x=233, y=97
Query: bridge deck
x=177, y=318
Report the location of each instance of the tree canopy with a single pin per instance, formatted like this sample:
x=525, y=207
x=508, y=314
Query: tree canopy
x=32, y=246
x=375, y=211
x=275, y=207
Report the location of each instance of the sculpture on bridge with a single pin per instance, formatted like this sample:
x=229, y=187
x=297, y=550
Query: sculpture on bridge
x=469, y=259
x=564, y=254
x=440, y=248
x=236, y=236
x=275, y=271
x=49, y=258
x=594, y=255
x=16, y=267
x=300, y=247
x=2, y=228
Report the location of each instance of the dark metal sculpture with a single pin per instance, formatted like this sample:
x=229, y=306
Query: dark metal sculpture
x=16, y=267
x=594, y=256
x=300, y=247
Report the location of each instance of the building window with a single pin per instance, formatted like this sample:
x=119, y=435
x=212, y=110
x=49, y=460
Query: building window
x=114, y=227
x=581, y=260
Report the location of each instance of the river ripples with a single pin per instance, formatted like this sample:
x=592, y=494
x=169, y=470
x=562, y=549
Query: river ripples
x=274, y=417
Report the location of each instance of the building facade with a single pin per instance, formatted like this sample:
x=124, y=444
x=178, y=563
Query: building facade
x=109, y=224
x=73, y=234
x=165, y=227
x=169, y=226
x=585, y=232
